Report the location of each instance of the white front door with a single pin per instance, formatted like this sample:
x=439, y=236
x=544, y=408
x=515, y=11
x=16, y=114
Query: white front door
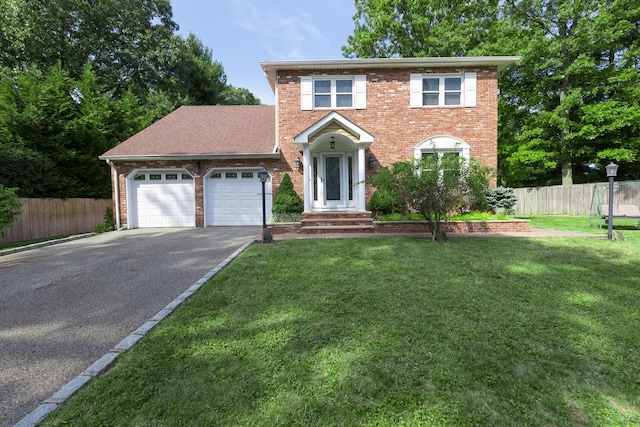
x=333, y=181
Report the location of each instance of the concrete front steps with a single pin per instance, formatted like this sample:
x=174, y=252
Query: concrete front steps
x=337, y=222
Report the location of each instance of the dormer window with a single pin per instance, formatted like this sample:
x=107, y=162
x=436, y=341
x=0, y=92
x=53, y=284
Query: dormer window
x=329, y=92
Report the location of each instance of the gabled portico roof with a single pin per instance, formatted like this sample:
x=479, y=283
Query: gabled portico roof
x=363, y=137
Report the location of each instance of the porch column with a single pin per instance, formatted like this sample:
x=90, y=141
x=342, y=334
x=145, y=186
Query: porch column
x=306, y=178
x=362, y=194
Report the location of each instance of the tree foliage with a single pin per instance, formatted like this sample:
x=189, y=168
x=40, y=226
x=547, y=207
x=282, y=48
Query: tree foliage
x=78, y=77
x=9, y=207
x=436, y=187
x=567, y=108
x=53, y=128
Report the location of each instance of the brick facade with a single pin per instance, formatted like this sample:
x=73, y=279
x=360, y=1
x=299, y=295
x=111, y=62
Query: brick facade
x=396, y=127
x=389, y=129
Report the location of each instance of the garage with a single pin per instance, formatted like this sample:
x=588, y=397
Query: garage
x=234, y=197
x=162, y=199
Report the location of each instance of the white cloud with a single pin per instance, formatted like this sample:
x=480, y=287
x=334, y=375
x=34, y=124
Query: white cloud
x=283, y=29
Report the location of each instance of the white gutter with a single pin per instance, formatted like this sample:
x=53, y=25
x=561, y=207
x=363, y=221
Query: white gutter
x=117, y=191
x=275, y=155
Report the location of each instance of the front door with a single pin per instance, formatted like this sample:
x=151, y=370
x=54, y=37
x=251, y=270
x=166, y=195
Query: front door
x=333, y=181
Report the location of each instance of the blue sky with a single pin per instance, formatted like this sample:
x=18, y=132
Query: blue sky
x=243, y=33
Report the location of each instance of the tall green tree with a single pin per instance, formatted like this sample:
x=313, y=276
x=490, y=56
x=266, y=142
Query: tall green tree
x=54, y=127
x=567, y=108
x=573, y=98
x=77, y=77
x=126, y=43
x=415, y=28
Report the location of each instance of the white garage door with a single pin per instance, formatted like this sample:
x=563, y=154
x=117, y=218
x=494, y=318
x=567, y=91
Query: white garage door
x=163, y=199
x=235, y=198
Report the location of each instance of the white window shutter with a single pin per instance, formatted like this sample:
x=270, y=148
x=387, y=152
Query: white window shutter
x=306, y=93
x=469, y=89
x=415, y=89
x=361, y=92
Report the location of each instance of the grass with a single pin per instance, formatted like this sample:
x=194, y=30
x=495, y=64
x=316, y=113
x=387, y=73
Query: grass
x=391, y=331
x=471, y=216
x=581, y=224
x=5, y=246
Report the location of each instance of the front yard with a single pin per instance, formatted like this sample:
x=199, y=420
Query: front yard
x=392, y=331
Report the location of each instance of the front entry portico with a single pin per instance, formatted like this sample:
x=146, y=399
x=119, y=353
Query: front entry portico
x=334, y=165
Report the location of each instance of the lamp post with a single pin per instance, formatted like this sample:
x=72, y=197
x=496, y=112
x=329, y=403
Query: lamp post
x=267, y=237
x=612, y=171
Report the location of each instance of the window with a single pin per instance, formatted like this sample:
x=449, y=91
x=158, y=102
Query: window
x=247, y=174
x=231, y=174
x=333, y=92
x=443, y=90
x=442, y=146
x=171, y=176
x=186, y=176
x=155, y=177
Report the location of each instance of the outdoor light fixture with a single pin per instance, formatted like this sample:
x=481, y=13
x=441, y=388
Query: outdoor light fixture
x=298, y=162
x=612, y=171
x=196, y=168
x=267, y=237
x=333, y=144
x=372, y=162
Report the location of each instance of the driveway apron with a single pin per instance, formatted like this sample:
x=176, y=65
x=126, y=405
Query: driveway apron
x=64, y=306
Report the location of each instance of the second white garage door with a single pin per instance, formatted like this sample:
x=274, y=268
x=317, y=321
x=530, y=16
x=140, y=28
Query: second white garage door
x=235, y=198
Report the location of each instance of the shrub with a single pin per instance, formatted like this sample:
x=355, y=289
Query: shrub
x=501, y=198
x=9, y=207
x=384, y=202
x=435, y=187
x=109, y=223
x=287, y=200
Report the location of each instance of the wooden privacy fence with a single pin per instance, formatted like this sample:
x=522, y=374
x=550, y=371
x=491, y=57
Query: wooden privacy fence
x=577, y=199
x=44, y=218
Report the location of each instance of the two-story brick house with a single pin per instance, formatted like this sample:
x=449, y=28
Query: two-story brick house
x=334, y=123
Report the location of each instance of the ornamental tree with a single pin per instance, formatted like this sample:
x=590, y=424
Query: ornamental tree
x=435, y=187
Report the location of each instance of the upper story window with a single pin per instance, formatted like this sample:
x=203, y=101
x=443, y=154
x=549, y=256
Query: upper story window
x=333, y=93
x=328, y=92
x=443, y=90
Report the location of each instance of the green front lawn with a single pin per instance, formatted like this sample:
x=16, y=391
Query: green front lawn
x=392, y=331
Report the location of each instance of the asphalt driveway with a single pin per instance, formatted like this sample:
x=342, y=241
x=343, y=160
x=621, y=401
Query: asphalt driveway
x=62, y=307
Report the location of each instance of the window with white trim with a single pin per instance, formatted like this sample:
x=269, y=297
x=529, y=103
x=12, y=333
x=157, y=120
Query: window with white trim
x=437, y=91
x=442, y=146
x=333, y=92
x=443, y=90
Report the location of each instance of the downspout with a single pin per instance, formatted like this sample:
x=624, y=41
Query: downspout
x=114, y=168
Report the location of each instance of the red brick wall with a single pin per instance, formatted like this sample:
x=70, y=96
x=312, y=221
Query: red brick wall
x=396, y=128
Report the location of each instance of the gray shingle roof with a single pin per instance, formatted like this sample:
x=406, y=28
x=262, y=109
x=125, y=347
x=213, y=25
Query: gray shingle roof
x=192, y=131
